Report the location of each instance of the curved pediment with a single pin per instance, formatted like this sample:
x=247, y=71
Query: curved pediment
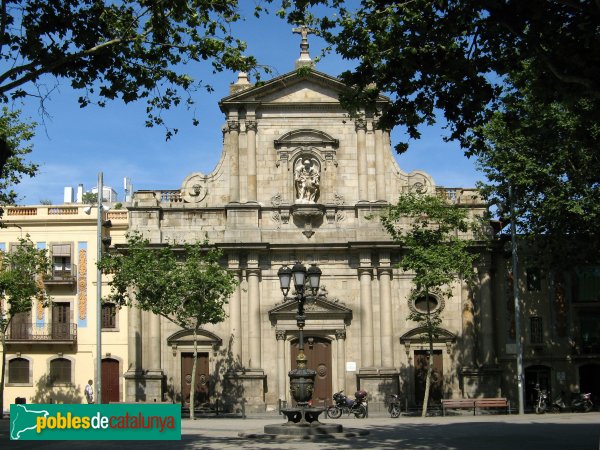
x=419, y=334
x=314, y=310
x=306, y=137
x=186, y=337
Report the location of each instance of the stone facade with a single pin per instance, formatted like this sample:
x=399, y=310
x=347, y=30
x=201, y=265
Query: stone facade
x=301, y=181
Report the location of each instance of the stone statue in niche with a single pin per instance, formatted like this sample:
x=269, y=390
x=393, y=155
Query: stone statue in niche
x=307, y=178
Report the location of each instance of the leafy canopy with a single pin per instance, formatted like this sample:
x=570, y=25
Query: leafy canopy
x=429, y=230
x=21, y=279
x=186, y=284
x=129, y=50
x=456, y=57
x=13, y=166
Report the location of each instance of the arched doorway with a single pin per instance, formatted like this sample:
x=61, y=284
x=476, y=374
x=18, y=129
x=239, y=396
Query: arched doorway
x=318, y=355
x=535, y=375
x=110, y=381
x=589, y=381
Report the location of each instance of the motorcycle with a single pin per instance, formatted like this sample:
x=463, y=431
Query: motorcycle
x=343, y=404
x=582, y=403
x=541, y=403
x=558, y=405
x=395, y=406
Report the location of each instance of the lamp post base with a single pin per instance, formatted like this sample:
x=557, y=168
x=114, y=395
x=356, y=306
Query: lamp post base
x=303, y=422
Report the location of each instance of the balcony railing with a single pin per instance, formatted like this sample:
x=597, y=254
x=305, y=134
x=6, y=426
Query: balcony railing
x=585, y=347
x=54, y=332
x=62, y=276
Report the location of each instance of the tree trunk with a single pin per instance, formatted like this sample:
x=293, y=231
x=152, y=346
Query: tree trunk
x=428, y=377
x=430, y=359
x=193, y=386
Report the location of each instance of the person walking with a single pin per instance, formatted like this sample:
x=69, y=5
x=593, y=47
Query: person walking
x=89, y=392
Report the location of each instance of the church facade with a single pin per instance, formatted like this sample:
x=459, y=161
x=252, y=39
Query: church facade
x=299, y=180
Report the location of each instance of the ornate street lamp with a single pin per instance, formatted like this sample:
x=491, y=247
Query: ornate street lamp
x=302, y=379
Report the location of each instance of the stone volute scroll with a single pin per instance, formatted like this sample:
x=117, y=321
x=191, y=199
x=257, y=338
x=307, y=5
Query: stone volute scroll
x=195, y=188
x=307, y=179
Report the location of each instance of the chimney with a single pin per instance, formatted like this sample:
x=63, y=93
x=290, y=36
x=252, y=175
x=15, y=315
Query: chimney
x=68, y=195
x=80, y=193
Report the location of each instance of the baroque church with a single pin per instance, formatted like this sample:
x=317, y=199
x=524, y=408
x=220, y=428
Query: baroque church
x=300, y=180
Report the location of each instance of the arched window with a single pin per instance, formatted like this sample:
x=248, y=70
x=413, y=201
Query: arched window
x=60, y=371
x=18, y=370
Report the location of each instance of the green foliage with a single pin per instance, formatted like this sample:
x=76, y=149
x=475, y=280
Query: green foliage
x=21, y=279
x=129, y=50
x=89, y=198
x=427, y=228
x=14, y=134
x=186, y=284
x=459, y=57
x=549, y=154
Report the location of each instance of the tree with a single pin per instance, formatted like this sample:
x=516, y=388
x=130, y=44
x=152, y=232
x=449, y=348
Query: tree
x=532, y=68
x=22, y=271
x=455, y=57
x=185, y=284
x=90, y=198
x=129, y=50
x=427, y=228
x=13, y=167
x=548, y=154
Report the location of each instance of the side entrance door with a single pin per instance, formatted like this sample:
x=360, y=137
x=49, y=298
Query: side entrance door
x=201, y=392
x=318, y=354
x=110, y=380
x=437, y=376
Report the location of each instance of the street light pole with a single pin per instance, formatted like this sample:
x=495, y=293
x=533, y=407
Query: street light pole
x=99, y=293
x=515, y=270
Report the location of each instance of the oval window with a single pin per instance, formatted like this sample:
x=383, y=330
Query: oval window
x=421, y=304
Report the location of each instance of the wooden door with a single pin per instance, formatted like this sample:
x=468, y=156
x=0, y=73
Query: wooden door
x=20, y=326
x=202, y=379
x=61, y=315
x=318, y=354
x=437, y=376
x=110, y=381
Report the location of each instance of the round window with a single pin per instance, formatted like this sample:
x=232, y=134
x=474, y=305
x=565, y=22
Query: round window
x=425, y=304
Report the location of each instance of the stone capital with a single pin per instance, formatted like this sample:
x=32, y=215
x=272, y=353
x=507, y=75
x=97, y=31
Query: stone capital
x=251, y=125
x=340, y=334
x=233, y=125
x=385, y=271
x=280, y=335
x=360, y=125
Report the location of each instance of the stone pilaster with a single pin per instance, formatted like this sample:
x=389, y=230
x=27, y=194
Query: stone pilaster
x=251, y=146
x=385, y=296
x=233, y=127
x=366, y=310
x=488, y=354
x=133, y=386
x=235, y=311
x=281, y=382
x=254, y=325
x=340, y=336
x=379, y=164
x=361, y=154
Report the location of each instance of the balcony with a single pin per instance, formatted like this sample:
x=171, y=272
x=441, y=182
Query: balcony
x=64, y=277
x=55, y=333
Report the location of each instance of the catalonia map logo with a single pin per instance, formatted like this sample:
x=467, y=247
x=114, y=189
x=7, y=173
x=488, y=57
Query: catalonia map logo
x=95, y=422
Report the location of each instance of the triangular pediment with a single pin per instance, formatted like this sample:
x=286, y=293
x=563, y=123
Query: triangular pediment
x=314, y=310
x=292, y=88
x=419, y=334
x=186, y=337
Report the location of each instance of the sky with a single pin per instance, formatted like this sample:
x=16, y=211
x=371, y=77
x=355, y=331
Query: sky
x=72, y=145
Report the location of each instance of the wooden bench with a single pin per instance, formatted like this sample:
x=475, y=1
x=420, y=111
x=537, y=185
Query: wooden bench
x=475, y=403
x=458, y=403
x=493, y=403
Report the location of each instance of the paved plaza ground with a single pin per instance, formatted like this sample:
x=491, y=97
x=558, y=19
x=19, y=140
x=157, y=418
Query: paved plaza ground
x=488, y=432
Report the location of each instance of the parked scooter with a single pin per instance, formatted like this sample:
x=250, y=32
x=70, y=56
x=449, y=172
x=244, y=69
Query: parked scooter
x=582, y=403
x=559, y=405
x=541, y=403
x=395, y=406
